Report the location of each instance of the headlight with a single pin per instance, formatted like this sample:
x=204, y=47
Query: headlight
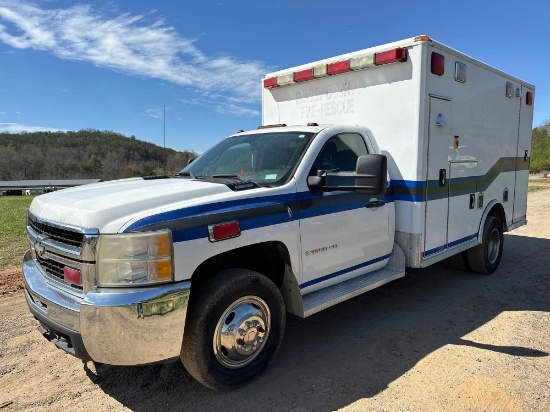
x=134, y=259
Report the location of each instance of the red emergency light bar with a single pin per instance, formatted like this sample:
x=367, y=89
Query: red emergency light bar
x=338, y=67
x=391, y=56
x=303, y=75
x=271, y=82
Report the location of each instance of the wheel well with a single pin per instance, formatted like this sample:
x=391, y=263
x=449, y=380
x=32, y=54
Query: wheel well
x=267, y=258
x=498, y=211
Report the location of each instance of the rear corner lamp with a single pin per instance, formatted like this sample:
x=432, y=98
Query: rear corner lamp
x=224, y=231
x=391, y=56
x=529, y=98
x=460, y=72
x=338, y=67
x=270, y=83
x=422, y=37
x=509, y=90
x=438, y=64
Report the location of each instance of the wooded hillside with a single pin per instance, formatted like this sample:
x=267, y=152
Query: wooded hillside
x=86, y=154
x=540, y=149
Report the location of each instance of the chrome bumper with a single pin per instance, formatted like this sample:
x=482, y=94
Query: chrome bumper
x=113, y=326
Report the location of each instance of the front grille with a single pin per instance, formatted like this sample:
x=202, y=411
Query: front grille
x=65, y=236
x=54, y=268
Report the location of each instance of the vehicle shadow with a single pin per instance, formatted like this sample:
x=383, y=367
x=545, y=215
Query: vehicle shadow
x=356, y=349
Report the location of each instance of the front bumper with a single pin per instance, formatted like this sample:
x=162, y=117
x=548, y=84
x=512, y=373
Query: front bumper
x=116, y=326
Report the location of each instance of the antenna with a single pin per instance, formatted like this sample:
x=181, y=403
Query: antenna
x=164, y=111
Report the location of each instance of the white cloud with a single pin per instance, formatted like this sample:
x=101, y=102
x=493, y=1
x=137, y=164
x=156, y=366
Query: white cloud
x=132, y=44
x=20, y=128
x=194, y=102
x=155, y=113
x=232, y=109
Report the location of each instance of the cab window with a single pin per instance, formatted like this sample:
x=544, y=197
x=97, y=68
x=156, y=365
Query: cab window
x=340, y=153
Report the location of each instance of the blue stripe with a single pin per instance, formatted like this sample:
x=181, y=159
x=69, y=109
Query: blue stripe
x=343, y=271
x=211, y=208
x=411, y=184
x=251, y=203
x=450, y=245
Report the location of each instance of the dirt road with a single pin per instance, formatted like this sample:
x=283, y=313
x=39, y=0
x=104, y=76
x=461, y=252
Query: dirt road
x=438, y=339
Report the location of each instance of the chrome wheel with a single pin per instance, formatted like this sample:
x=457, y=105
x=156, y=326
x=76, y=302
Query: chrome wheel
x=493, y=246
x=241, y=332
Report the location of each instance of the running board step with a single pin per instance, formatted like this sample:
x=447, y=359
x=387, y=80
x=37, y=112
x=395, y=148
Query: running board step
x=324, y=298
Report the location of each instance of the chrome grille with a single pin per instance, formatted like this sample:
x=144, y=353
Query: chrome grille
x=65, y=236
x=55, y=269
x=56, y=246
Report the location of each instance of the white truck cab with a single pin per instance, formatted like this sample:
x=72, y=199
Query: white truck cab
x=396, y=156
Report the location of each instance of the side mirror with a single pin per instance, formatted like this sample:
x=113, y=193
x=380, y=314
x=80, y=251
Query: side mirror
x=190, y=161
x=319, y=181
x=371, y=174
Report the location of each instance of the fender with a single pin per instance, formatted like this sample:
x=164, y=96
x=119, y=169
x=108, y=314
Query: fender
x=488, y=208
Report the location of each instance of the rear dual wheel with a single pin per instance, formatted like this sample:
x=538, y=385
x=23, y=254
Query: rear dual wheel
x=485, y=258
x=235, y=325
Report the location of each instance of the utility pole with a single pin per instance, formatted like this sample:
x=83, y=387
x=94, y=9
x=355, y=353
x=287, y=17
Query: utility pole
x=164, y=111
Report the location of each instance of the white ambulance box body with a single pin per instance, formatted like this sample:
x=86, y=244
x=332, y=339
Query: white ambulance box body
x=456, y=132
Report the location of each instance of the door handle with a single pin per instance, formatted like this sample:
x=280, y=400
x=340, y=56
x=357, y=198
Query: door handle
x=375, y=203
x=442, y=177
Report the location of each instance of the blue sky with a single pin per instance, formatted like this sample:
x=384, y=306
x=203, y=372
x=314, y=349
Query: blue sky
x=113, y=65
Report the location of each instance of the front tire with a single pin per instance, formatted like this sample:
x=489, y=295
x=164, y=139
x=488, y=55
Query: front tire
x=235, y=325
x=485, y=258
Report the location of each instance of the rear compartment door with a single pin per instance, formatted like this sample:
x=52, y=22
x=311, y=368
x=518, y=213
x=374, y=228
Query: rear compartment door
x=464, y=205
x=437, y=189
x=522, y=158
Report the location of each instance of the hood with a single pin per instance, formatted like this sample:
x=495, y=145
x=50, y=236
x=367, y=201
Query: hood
x=108, y=206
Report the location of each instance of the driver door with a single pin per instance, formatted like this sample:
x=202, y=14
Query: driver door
x=341, y=238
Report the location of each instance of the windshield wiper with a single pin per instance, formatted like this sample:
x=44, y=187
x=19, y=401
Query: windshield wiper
x=224, y=176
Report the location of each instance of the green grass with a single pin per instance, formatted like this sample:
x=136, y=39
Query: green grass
x=13, y=235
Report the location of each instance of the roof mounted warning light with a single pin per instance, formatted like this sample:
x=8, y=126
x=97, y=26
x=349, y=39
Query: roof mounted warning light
x=269, y=126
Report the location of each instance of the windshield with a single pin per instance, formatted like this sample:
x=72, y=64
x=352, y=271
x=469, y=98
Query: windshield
x=267, y=159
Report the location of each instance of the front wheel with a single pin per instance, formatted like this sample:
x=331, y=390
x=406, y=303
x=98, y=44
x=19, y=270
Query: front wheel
x=485, y=258
x=234, y=328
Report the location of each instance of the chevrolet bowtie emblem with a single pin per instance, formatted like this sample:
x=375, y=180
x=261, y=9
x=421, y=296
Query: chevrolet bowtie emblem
x=39, y=248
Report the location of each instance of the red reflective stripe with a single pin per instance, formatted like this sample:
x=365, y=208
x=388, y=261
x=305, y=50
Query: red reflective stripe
x=391, y=56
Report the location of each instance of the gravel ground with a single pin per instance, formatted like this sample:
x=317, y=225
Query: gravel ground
x=438, y=339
